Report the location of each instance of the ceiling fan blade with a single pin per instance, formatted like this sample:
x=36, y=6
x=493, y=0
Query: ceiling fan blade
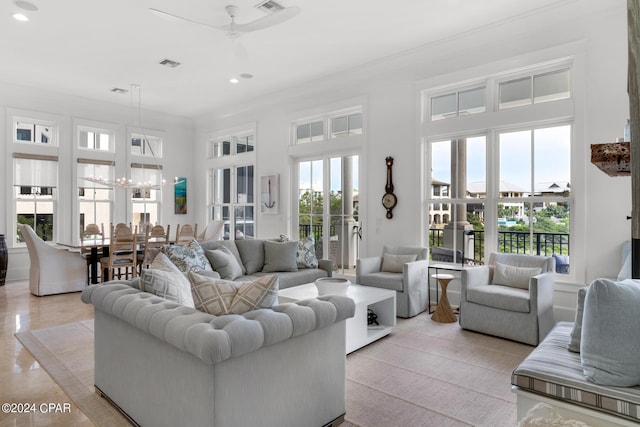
x=269, y=20
x=176, y=18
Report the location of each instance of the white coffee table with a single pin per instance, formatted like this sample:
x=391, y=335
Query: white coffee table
x=359, y=334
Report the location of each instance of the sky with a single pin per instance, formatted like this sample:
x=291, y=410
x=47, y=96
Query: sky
x=551, y=154
x=307, y=168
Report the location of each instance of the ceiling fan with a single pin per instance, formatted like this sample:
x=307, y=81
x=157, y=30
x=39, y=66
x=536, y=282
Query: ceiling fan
x=233, y=29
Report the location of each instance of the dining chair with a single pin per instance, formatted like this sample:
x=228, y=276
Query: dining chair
x=155, y=238
x=91, y=231
x=122, y=254
x=185, y=234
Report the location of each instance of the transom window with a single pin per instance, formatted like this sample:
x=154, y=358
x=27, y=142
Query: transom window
x=459, y=103
x=34, y=131
x=309, y=132
x=346, y=125
x=146, y=145
x=330, y=126
x=534, y=89
x=95, y=139
x=231, y=145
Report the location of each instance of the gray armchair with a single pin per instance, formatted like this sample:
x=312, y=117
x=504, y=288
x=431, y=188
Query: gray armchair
x=402, y=269
x=513, y=303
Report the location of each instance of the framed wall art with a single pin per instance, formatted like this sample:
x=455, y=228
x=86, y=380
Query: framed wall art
x=180, y=193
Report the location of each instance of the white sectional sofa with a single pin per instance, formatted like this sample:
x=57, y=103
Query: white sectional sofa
x=165, y=364
x=252, y=256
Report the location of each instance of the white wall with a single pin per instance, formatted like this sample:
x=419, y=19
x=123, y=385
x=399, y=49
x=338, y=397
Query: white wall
x=178, y=146
x=596, y=31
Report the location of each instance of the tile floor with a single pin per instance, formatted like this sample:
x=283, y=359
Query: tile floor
x=22, y=379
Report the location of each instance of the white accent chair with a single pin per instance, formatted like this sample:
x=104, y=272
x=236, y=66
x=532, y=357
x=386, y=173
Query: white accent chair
x=213, y=231
x=409, y=280
x=509, y=310
x=52, y=271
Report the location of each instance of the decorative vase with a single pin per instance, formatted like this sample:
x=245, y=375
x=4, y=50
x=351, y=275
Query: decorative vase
x=4, y=259
x=332, y=286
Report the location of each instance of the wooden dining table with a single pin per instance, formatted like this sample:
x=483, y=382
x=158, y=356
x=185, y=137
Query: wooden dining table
x=94, y=259
x=95, y=244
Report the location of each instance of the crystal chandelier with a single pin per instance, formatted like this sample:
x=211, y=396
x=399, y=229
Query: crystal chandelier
x=130, y=183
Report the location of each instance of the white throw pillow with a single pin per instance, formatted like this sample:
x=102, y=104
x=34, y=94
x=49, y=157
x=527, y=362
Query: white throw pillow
x=515, y=277
x=394, y=263
x=164, y=279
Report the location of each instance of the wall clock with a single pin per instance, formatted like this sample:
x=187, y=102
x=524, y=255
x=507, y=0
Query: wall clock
x=389, y=200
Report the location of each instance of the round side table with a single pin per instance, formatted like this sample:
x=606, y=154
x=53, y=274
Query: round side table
x=444, y=313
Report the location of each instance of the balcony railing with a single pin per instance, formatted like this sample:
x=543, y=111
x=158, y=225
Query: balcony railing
x=516, y=242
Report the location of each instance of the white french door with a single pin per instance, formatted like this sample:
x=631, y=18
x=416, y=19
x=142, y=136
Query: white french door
x=328, y=203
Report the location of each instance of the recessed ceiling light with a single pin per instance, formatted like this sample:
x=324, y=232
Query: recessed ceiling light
x=246, y=75
x=20, y=17
x=25, y=5
x=234, y=80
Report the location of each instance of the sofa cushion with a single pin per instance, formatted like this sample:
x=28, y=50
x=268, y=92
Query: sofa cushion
x=252, y=254
x=576, y=332
x=280, y=256
x=306, y=253
x=392, y=263
x=501, y=297
x=516, y=277
x=224, y=262
x=220, y=297
x=384, y=280
x=288, y=279
x=229, y=244
x=610, y=341
x=420, y=252
x=187, y=258
x=165, y=280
